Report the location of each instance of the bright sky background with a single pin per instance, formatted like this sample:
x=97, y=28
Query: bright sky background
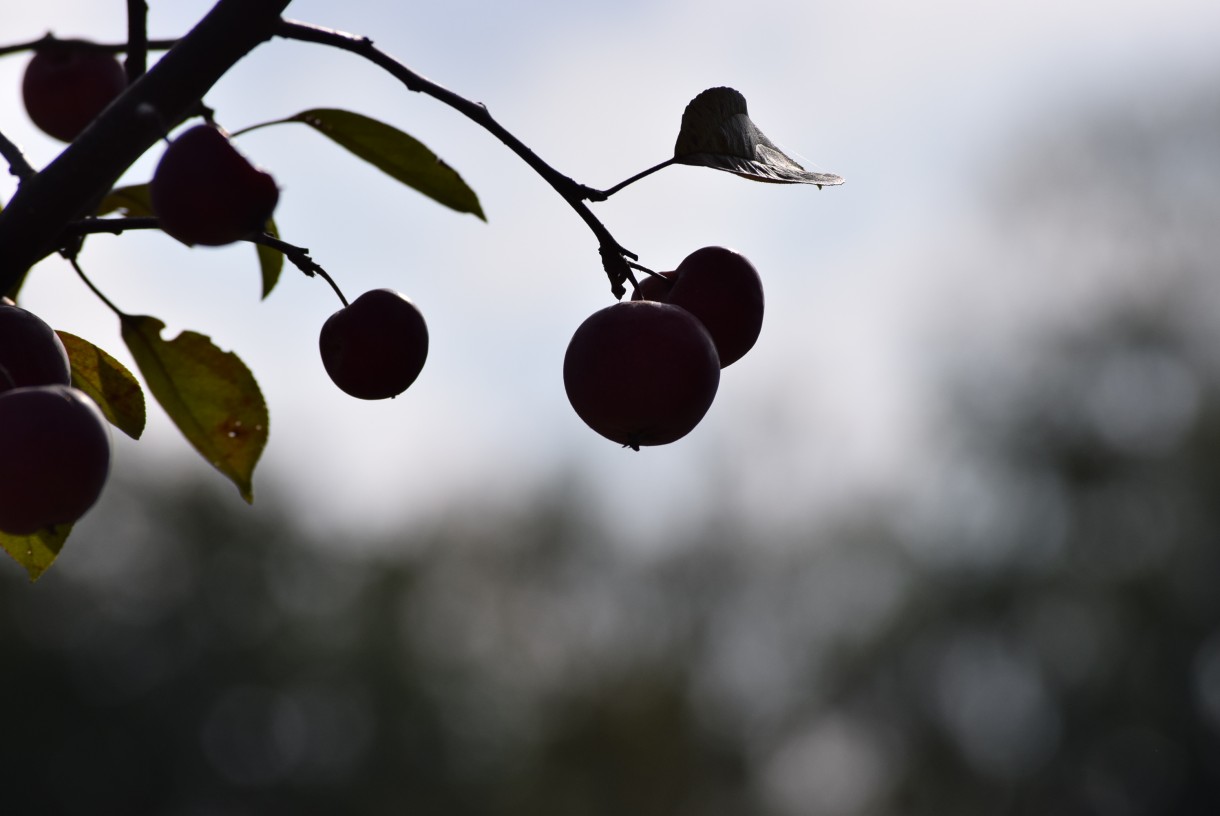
x=913, y=103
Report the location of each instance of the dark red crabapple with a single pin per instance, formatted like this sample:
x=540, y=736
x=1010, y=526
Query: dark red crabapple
x=31, y=353
x=722, y=289
x=205, y=192
x=56, y=457
x=641, y=373
x=66, y=85
x=375, y=347
x=654, y=287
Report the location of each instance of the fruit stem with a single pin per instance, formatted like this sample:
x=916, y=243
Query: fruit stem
x=80, y=272
x=300, y=258
x=635, y=284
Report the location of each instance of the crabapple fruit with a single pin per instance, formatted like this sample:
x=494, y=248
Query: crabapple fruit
x=31, y=353
x=655, y=287
x=66, y=85
x=641, y=372
x=722, y=289
x=205, y=192
x=56, y=457
x=375, y=347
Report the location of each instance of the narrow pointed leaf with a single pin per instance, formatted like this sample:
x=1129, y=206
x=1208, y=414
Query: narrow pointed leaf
x=135, y=201
x=208, y=393
x=401, y=156
x=718, y=133
x=38, y=551
x=115, y=390
x=270, y=261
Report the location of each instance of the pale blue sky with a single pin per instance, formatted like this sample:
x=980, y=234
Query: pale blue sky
x=912, y=103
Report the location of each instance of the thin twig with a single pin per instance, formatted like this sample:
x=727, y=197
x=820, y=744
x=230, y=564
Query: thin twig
x=51, y=39
x=613, y=254
x=602, y=195
x=137, y=40
x=297, y=255
x=113, y=226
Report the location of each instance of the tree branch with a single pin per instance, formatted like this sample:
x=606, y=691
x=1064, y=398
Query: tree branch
x=614, y=255
x=33, y=223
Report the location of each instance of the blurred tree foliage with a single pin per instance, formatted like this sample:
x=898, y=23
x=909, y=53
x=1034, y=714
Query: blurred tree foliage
x=1036, y=630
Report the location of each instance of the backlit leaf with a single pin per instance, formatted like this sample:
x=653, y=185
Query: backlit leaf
x=718, y=133
x=401, y=156
x=115, y=390
x=134, y=201
x=270, y=261
x=38, y=551
x=208, y=393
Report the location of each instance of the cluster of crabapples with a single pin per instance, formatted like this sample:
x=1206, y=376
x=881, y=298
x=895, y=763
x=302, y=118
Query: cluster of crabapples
x=55, y=440
x=639, y=372
x=645, y=371
x=204, y=192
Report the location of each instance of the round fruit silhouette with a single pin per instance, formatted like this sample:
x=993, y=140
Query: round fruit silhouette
x=655, y=287
x=31, y=353
x=641, y=372
x=722, y=289
x=205, y=192
x=375, y=347
x=67, y=84
x=56, y=457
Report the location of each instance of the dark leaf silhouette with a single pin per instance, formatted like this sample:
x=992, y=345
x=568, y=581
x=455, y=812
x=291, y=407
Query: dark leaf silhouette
x=718, y=133
x=397, y=154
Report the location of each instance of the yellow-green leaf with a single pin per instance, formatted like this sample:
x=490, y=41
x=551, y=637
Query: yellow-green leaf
x=208, y=393
x=38, y=551
x=401, y=156
x=270, y=261
x=717, y=132
x=115, y=390
x=134, y=201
